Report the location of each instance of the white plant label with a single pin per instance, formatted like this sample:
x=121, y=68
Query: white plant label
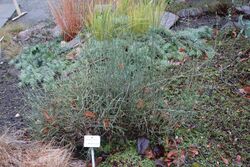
x=92, y=141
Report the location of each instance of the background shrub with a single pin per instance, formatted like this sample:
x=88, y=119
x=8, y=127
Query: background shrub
x=125, y=16
x=44, y=63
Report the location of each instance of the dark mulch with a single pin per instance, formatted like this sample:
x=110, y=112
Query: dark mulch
x=11, y=98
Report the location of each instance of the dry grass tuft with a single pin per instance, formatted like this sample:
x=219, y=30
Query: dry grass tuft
x=28, y=154
x=8, y=46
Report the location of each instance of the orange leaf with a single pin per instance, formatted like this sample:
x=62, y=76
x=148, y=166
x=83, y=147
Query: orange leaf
x=245, y=91
x=140, y=104
x=45, y=130
x=182, y=50
x=47, y=117
x=172, y=154
x=89, y=114
x=226, y=161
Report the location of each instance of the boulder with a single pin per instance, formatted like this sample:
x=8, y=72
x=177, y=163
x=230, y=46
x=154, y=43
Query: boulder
x=169, y=19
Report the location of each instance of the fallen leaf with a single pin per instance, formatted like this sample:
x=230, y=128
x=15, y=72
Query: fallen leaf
x=73, y=104
x=89, y=114
x=234, y=34
x=226, y=161
x=193, y=151
x=172, y=154
x=182, y=49
x=106, y=123
x=175, y=157
x=142, y=145
x=140, y=104
x=47, y=117
x=146, y=90
x=97, y=162
x=121, y=66
x=149, y=154
x=45, y=130
x=71, y=56
x=245, y=91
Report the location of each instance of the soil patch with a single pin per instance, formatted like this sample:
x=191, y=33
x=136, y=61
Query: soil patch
x=11, y=98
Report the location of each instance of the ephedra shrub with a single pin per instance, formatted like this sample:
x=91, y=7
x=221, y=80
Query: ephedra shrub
x=113, y=92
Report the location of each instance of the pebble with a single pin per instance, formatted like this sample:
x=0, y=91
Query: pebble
x=17, y=115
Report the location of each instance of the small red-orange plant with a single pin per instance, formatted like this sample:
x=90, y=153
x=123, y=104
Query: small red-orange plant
x=69, y=15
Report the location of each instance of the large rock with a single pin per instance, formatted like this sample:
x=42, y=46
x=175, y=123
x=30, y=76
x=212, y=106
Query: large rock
x=190, y=12
x=169, y=19
x=244, y=9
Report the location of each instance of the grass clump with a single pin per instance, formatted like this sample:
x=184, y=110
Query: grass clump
x=21, y=153
x=126, y=16
x=69, y=16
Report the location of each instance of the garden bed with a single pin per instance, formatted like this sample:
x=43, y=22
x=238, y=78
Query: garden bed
x=182, y=95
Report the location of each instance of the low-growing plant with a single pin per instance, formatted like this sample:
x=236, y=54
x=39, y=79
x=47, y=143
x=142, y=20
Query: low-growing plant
x=40, y=64
x=126, y=159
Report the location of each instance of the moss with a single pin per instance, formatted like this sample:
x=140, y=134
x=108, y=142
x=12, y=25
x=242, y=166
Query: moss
x=127, y=158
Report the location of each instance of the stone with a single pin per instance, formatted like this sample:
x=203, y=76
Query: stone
x=180, y=1
x=190, y=12
x=169, y=19
x=56, y=32
x=244, y=9
x=73, y=43
x=36, y=34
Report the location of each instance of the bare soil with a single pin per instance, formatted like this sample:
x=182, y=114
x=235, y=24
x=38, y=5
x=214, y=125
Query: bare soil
x=11, y=98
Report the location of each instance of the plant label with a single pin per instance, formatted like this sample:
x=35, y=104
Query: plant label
x=92, y=141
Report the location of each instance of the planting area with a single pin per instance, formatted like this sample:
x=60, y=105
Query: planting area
x=164, y=83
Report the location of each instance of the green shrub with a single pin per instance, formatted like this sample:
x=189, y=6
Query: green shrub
x=114, y=90
x=111, y=93
x=126, y=159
